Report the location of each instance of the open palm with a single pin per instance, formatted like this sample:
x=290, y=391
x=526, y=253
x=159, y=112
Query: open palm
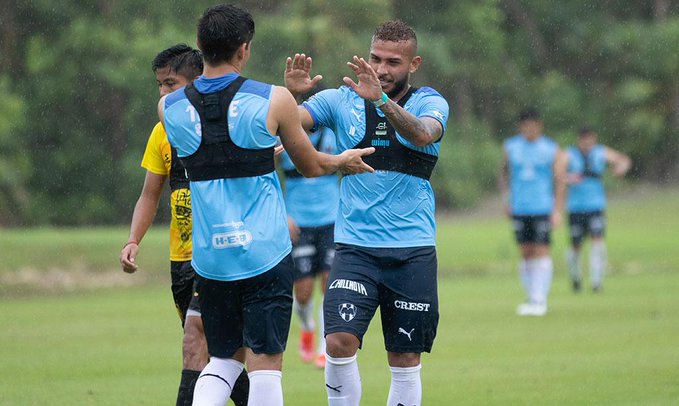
x=368, y=86
x=298, y=75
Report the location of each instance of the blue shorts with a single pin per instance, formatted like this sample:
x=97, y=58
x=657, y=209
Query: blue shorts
x=401, y=281
x=532, y=229
x=253, y=312
x=314, y=251
x=584, y=223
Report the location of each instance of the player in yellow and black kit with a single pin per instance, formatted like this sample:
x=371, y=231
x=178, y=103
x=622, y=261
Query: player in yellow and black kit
x=174, y=68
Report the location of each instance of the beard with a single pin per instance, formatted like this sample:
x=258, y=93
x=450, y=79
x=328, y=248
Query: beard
x=399, y=86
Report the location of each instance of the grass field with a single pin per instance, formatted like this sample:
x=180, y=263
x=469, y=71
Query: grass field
x=77, y=331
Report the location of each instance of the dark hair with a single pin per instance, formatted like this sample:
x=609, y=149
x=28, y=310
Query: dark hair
x=529, y=114
x=395, y=31
x=585, y=131
x=221, y=30
x=181, y=58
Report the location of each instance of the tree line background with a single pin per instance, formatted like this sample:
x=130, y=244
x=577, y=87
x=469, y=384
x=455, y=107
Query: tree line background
x=79, y=97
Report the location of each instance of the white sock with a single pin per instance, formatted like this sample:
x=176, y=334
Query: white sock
x=544, y=269
x=342, y=381
x=573, y=259
x=215, y=382
x=532, y=287
x=321, y=335
x=598, y=258
x=406, y=386
x=305, y=312
x=525, y=275
x=266, y=388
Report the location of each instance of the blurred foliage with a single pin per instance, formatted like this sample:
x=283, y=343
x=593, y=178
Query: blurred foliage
x=79, y=96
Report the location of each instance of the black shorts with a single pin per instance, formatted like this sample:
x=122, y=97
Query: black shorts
x=183, y=284
x=253, y=312
x=591, y=223
x=401, y=281
x=314, y=251
x=532, y=229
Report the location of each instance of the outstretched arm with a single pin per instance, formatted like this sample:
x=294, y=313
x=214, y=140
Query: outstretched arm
x=284, y=119
x=298, y=81
x=419, y=131
x=620, y=163
x=142, y=218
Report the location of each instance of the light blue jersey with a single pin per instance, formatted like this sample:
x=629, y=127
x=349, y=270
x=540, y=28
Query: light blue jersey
x=312, y=202
x=531, y=175
x=589, y=194
x=239, y=224
x=384, y=209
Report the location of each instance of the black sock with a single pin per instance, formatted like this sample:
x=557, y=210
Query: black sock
x=188, y=382
x=241, y=389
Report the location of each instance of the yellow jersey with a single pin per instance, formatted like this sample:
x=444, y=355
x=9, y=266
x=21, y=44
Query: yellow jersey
x=158, y=159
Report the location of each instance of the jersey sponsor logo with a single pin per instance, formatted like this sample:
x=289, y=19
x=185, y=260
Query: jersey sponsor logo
x=412, y=306
x=235, y=236
x=350, y=285
x=347, y=311
x=379, y=143
x=381, y=129
x=401, y=330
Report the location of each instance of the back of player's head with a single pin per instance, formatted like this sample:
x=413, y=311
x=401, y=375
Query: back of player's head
x=529, y=114
x=222, y=30
x=395, y=31
x=181, y=58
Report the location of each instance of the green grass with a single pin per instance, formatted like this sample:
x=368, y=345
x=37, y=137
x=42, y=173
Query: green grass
x=121, y=345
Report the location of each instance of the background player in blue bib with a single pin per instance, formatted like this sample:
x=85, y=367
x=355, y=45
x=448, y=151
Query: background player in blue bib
x=312, y=208
x=533, y=177
x=224, y=128
x=586, y=204
x=385, y=229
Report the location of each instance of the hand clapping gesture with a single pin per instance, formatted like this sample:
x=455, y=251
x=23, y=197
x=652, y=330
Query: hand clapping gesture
x=368, y=86
x=298, y=75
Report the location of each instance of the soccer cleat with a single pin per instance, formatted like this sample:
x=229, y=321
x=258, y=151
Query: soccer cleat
x=596, y=288
x=577, y=285
x=306, y=345
x=531, y=309
x=320, y=361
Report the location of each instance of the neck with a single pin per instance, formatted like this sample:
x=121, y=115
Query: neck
x=400, y=94
x=213, y=71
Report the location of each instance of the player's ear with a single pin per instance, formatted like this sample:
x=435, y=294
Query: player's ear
x=415, y=64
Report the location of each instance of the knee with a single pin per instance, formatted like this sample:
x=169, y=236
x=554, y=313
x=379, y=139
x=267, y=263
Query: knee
x=403, y=360
x=194, y=345
x=341, y=345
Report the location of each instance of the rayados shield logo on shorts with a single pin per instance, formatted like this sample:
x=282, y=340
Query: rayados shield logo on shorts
x=347, y=311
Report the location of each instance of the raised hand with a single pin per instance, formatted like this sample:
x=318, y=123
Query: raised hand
x=298, y=75
x=368, y=86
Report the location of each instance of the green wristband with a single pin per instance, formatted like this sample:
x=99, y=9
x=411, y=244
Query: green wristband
x=381, y=101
